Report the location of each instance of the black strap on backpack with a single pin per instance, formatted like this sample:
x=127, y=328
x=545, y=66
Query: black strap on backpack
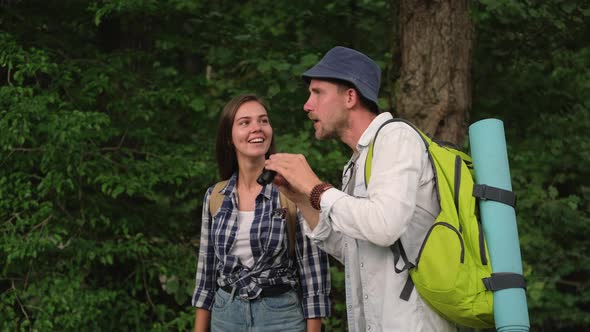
x=500, y=280
x=504, y=280
x=483, y=191
x=497, y=281
x=399, y=253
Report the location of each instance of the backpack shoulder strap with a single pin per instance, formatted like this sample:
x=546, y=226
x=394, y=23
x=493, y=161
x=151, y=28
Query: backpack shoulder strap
x=216, y=198
x=369, y=159
x=397, y=248
x=291, y=220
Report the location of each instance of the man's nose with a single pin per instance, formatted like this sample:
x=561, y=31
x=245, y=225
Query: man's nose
x=307, y=107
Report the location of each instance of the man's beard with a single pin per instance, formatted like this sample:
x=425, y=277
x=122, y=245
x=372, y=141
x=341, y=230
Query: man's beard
x=335, y=131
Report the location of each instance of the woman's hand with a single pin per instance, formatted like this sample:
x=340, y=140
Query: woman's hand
x=202, y=318
x=314, y=325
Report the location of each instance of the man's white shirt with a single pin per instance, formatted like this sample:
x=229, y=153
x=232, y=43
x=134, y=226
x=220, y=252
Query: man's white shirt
x=357, y=225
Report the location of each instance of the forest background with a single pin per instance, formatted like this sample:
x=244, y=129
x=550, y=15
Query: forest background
x=108, y=112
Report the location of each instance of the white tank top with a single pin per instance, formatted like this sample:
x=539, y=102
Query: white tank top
x=242, y=247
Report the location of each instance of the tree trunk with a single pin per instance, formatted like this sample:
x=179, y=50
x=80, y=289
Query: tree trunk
x=434, y=88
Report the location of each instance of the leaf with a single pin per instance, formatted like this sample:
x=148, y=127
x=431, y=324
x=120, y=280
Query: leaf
x=117, y=191
x=198, y=104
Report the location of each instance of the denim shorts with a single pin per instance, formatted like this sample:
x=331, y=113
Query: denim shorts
x=282, y=313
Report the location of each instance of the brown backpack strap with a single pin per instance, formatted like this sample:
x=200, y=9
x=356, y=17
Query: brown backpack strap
x=216, y=198
x=291, y=220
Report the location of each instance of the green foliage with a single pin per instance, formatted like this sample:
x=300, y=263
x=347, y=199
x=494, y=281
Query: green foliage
x=108, y=112
x=337, y=322
x=107, y=119
x=532, y=71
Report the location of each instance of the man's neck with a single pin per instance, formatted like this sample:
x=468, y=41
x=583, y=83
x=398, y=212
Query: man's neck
x=358, y=121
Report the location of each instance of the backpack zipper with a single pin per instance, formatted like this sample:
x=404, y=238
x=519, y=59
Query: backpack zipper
x=482, y=245
x=458, y=187
x=449, y=226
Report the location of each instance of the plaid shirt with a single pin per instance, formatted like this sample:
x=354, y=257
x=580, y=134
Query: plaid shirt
x=272, y=265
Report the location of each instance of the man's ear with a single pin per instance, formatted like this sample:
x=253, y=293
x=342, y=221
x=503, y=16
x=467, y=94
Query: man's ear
x=352, y=98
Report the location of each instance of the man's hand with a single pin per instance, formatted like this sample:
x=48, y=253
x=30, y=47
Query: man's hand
x=296, y=180
x=295, y=177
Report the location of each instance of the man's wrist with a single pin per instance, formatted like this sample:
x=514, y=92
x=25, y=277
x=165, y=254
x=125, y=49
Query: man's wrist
x=316, y=194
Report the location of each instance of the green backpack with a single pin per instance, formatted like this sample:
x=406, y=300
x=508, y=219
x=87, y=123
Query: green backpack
x=452, y=266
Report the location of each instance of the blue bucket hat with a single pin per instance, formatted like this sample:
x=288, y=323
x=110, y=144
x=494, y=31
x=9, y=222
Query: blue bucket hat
x=349, y=65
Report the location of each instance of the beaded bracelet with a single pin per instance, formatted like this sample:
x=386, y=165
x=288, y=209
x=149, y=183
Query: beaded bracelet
x=316, y=194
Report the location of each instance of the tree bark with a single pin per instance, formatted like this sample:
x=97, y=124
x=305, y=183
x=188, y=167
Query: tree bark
x=436, y=45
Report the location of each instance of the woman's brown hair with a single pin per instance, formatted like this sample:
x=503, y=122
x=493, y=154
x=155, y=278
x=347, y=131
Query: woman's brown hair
x=225, y=151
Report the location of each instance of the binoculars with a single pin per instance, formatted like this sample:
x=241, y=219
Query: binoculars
x=266, y=177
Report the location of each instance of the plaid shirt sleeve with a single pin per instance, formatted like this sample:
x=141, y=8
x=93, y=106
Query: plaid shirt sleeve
x=206, y=284
x=314, y=275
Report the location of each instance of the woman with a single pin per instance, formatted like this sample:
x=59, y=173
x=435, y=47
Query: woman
x=245, y=277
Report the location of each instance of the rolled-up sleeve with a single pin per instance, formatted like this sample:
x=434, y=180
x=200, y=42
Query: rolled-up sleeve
x=205, y=285
x=314, y=276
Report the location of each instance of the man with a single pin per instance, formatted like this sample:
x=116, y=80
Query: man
x=358, y=223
